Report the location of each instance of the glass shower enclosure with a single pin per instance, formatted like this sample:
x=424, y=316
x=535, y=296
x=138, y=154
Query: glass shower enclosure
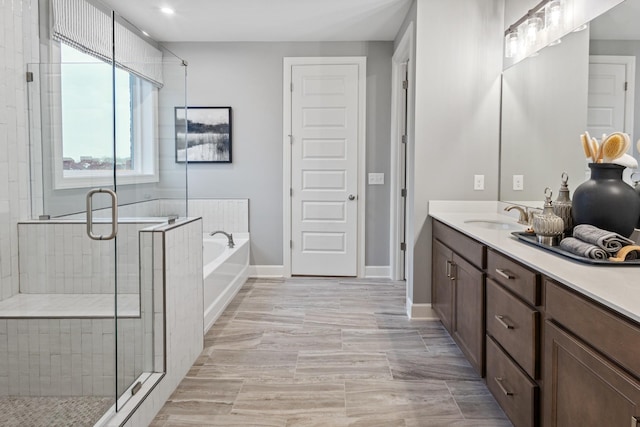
x=103, y=171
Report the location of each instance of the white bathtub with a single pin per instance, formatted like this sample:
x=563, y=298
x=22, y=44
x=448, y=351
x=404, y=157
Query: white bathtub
x=225, y=270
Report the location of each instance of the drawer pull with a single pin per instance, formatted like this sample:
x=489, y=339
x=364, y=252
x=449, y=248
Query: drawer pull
x=452, y=270
x=448, y=269
x=504, y=390
x=502, y=322
x=507, y=275
x=635, y=422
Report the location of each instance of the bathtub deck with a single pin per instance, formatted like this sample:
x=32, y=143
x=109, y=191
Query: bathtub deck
x=69, y=306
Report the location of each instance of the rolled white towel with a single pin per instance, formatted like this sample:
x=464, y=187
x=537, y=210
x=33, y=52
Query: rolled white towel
x=607, y=240
x=583, y=249
x=627, y=161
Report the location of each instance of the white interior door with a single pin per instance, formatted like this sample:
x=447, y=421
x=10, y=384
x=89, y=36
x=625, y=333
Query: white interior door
x=324, y=169
x=609, y=107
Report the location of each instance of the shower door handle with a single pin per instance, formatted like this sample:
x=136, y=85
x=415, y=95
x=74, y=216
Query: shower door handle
x=114, y=214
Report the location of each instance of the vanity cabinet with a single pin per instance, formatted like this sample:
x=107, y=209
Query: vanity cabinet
x=513, y=338
x=458, y=289
x=592, y=368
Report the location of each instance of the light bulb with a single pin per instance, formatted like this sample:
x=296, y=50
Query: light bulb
x=533, y=26
x=511, y=45
x=554, y=13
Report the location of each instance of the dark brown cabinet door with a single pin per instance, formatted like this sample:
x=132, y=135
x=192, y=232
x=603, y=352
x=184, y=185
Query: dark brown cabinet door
x=583, y=388
x=468, y=314
x=441, y=283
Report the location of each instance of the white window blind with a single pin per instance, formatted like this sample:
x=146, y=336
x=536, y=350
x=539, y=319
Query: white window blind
x=90, y=29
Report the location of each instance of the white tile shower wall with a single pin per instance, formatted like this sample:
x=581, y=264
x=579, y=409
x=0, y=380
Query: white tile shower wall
x=184, y=314
x=67, y=357
x=230, y=215
x=18, y=46
x=59, y=258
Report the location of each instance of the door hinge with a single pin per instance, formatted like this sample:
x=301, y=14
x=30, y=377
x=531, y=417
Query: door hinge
x=291, y=192
x=291, y=86
x=29, y=76
x=405, y=84
x=403, y=246
x=403, y=192
x=626, y=86
x=290, y=244
x=404, y=139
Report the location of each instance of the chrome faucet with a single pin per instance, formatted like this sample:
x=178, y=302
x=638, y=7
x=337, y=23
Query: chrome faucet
x=229, y=236
x=524, y=214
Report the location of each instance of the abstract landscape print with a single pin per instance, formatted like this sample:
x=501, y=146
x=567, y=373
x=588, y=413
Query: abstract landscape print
x=203, y=134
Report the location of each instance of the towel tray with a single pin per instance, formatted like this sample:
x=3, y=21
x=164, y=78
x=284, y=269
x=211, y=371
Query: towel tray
x=532, y=240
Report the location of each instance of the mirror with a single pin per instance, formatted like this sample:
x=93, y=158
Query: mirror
x=549, y=99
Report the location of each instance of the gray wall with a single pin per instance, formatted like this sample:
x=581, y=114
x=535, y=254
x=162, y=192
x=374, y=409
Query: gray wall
x=458, y=66
x=248, y=77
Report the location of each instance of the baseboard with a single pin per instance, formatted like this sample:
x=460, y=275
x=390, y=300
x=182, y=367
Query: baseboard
x=266, y=271
x=420, y=311
x=377, y=272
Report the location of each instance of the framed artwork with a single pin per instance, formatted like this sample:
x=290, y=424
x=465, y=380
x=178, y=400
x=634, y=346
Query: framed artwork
x=203, y=134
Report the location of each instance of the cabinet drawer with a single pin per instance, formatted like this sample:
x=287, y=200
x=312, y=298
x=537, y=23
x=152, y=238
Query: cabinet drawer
x=519, y=279
x=605, y=331
x=514, y=391
x=515, y=326
x=471, y=250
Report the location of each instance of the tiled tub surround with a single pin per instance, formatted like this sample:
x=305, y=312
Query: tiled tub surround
x=231, y=215
x=615, y=287
x=225, y=270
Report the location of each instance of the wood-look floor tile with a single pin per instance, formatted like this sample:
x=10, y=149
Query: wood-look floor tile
x=222, y=421
x=207, y=389
x=475, y=400
x=412, y=365
x=402, y=399
x=195, y=407
x=290, y=399
x=339, y=319
x=245, y=318
x=242, y=364
x=234, y=339
x=322, y=421
x=381, y=340
x=434, y=422
x=328, y=353
x=399, y=321
x=302, y=339
x=342, y=365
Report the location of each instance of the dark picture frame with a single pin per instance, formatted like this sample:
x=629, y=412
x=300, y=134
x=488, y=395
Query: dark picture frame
x=208, y=134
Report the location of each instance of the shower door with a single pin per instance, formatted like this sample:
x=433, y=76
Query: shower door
x=103, y=173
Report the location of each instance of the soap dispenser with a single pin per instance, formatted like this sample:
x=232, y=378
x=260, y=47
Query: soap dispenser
x=548, y=226
x=562, y=205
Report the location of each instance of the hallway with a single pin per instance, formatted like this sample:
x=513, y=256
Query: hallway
x=331, y=353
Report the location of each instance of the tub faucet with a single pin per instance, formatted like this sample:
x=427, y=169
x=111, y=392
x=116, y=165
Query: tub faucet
x=229, y=236
x=524, y=214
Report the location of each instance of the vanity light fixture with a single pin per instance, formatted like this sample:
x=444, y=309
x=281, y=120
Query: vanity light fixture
x=525, y=34
x=581, y=28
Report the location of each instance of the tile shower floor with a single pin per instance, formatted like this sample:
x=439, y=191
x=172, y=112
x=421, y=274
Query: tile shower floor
x=330, y=353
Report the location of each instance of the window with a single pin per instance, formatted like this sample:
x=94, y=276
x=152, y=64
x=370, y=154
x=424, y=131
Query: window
x=85, y=148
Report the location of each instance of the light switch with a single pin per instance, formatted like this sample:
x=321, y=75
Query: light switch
x=376, y=179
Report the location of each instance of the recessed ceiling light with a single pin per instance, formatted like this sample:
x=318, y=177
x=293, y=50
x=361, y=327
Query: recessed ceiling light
x=167, y=11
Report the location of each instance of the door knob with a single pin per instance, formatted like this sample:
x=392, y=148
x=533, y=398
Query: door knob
x=352, y=197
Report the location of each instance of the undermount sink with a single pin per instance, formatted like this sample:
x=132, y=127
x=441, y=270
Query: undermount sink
x=494, y=224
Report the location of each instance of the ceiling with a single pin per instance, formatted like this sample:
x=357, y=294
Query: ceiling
x=265, y=20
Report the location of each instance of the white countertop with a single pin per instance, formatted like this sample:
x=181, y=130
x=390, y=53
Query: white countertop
x=616, y=287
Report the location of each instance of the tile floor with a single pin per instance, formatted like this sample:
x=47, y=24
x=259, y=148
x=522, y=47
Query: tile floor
x=330, y=353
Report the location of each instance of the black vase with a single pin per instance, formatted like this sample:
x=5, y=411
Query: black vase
x=606, y=201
